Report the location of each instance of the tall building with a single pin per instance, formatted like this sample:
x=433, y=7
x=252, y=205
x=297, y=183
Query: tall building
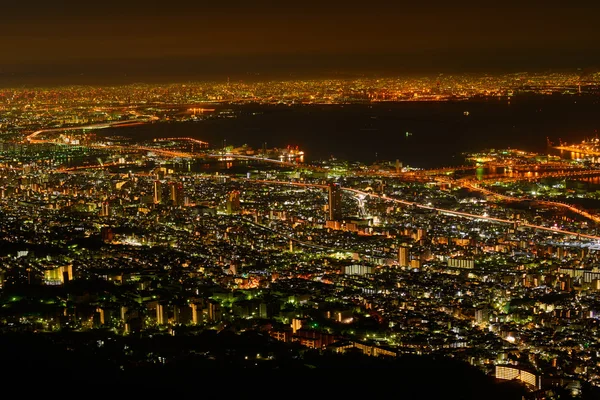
x=176, y=197
x=233, y=202
x=335, y=202
x=482, y=316
x=107, y=234
x=105, y=210
x=196, y=313
x=157, y=192
x=161, y=314
x=403, y=256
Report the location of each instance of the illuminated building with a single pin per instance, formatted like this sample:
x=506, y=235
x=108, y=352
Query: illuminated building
x=102, y=315
x=313, y=339
x=297, y=324
x=197, y=314
x=233, y=202
x=161, y=315
x=510, y=372
x=105, y=210
x=335, y=202
x=330, y=224
x=357, y=269
x=176, y=196
x=157, y=192
x=58, y=275
x=366, y=349
x=403, y=257
x=461, y=262
x=124, y=314
x=107, y=234
x=283, y=335
x=482, y=316
x=214, y=311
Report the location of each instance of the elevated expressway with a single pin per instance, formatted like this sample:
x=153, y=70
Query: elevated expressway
x=438, y=174
x=33, y=137
x=431, y=208
x=468, y=184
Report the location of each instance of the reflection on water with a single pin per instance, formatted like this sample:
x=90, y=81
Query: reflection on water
x=76, y=161
x=485, y=173
x=203, y=166
x=180, y=166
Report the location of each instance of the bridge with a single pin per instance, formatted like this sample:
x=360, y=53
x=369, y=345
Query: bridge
x=32, y=138
x=536, y=176
x=422, y=175
x=444, y=170
x=528, y=166
x=232, y=156
x=97, y=166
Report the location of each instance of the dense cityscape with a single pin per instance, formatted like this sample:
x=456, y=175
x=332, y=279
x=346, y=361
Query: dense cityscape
x=32, y=108
x=150, y=253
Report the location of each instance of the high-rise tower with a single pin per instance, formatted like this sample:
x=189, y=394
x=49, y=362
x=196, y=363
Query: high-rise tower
x=335, y=202
x=176, y=193
x=105, y=209
x=157, y=192
x=403, y=256
x=233, y=202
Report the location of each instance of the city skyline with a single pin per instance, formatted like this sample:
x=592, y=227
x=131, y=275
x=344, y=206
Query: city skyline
x=70, y=42
x=198, y=188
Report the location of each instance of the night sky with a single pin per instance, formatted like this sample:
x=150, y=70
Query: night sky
x=120, y=40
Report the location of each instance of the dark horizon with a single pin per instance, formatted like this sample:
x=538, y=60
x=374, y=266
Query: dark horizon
x=116, y=42
x=265, y=68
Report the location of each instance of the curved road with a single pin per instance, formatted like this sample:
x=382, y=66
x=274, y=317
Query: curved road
x=32, y=137
x=548, y=203
x=440, y=210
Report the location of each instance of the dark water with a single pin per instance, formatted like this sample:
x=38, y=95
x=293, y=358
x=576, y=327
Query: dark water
x=439, y=131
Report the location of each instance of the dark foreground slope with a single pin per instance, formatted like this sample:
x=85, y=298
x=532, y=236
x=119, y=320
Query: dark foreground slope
x=240, y=364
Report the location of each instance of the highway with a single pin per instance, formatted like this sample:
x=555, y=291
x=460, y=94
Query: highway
x=542, y=175
x=97, y=166
x=440, y=210
x=32, y=137
x=468, y=184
